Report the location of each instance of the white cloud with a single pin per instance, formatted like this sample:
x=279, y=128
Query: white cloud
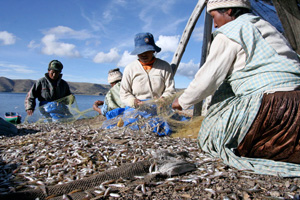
x=168, y=43
x=66, y=32
x=188, y=69
x=152, y=9
x=95, y=43
x=11, y=69
x=107, y=15
x=52, y=43
x=100, y=19
x=111, y=11
x=171, y=27
x=111, y=57
x=53, y=47
x=94, y=22
x=120, y=2
x=32, y=44
x=126, y=59
x=165, y=56
x=7, y=38
x=88, y=53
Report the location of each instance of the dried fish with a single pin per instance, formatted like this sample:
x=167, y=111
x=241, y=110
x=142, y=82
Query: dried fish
x=210, y=191
x=62, y=153
x=114, y=195
x=119, y=185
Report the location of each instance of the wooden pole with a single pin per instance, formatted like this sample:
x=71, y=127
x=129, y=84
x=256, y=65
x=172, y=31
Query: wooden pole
x=205, y=48
x=187, y=34
x=289, y=15
x=206, y=38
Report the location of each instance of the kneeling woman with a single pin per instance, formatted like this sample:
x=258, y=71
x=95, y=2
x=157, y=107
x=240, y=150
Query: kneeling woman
x=254, y=119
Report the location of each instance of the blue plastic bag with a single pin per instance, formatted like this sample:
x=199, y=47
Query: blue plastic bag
x=55, y=111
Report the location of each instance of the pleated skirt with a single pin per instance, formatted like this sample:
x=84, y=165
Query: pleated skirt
x=275, y=132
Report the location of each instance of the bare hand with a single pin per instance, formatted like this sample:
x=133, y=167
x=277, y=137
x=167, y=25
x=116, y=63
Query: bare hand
x=98, y=103
x=176, y=105
x=138, y=102
x=29, y=112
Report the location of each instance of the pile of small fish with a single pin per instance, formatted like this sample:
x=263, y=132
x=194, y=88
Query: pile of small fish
x=51, y=153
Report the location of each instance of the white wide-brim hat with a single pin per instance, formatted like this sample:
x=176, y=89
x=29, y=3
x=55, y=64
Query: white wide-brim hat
x=217, y=4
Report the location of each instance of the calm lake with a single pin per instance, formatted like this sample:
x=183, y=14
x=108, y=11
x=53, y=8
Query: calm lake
x=14, y=102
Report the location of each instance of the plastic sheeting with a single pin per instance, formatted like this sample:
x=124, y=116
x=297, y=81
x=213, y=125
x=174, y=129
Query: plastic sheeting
x=268, y=12
x=7, y=128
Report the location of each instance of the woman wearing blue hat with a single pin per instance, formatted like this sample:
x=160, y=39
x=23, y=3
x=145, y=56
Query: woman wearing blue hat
x=147, y=77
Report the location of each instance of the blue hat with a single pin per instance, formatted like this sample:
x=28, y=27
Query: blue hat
x=144, y=42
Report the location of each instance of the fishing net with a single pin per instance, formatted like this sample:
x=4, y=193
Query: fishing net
x=62, y=110
x=167, y=164
x=154, y=115
x=126, y=171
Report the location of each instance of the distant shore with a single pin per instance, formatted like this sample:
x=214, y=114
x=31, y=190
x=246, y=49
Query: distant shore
x=24, y=85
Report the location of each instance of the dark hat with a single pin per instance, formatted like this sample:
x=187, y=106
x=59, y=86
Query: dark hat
x=144, y=42
x=55, y=65
x=114, y=75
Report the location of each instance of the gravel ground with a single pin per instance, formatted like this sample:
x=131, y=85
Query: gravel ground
x=51, y=154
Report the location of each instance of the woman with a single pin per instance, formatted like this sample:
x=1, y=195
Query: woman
x=148, y=77
x=253, y=119
x=112, y=98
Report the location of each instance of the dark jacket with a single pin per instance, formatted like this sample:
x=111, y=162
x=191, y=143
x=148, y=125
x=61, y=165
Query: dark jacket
x=45, y=90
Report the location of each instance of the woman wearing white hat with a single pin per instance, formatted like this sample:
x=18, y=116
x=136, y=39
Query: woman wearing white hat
x=112, y=98
x=253, y=121
x=148, y=77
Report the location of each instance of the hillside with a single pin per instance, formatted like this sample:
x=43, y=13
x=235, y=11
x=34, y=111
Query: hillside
x=23, y=86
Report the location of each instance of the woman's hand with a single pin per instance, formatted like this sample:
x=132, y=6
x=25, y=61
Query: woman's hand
x=29, y=112
x=96, y=104
x=176, y=105
x=137, y=102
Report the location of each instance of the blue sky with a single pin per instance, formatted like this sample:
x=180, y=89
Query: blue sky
x=90, y=37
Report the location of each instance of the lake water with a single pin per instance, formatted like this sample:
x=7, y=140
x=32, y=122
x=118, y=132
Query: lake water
x=14, y=102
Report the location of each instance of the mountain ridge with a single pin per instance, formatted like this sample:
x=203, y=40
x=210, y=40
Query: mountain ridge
x=24, y=85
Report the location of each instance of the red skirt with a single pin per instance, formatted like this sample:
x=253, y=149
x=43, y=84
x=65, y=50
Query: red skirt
x=275, y=133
